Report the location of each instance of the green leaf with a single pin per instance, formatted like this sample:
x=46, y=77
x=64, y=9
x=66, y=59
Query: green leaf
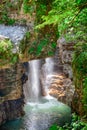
x=54, y=127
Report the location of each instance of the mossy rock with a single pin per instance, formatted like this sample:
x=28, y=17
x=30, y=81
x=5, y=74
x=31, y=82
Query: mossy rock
x=6, y=54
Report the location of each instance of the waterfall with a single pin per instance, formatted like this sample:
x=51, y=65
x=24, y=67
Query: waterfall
x=39, y=79
x=49, y=65
x=32, y=86
x=47, y=69
x=35, y=79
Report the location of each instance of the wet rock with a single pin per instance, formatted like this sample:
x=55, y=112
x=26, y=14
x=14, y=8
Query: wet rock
x=66, y=56
x=62, y=88
x=24, y=78
x=67, y=69
x=11, y=109
x=75, y=92
x=65, y=50
x=11, y=93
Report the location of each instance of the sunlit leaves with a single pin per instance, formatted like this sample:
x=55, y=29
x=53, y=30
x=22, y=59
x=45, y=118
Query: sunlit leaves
x=81, y=2
x=62, y=13
x=65, y=13
x=5, y=46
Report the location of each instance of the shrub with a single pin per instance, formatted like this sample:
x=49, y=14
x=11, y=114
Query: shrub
x=6, y=54
x=76, y=124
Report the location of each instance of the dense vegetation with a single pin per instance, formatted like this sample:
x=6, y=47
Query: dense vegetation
x=70, y=17
x=45, y=41
x=6, y=54
x=80, y=71
x=76, y=124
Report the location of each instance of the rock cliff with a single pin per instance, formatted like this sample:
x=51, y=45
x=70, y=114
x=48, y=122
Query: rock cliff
x=11, y=73
x=62, y=86
x=11, y=95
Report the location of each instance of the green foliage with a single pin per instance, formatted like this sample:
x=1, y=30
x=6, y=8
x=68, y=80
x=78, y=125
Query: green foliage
x=5, y=19
x=41, y=9
x=76, y=124
x=46, y=38
x=27, y=34
x=80, y=69
x=42, y=48
x=80, y=58
x=28, y=6
x=6, y=55
x=81, y=2
x=65, y=14
x=84, y=100
x=77, y=31
x=54, y=127
x=25, y=42
x=60, y=14
x=4, y=14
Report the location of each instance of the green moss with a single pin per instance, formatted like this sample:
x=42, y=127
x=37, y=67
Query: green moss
x=80, y=71
x=42, y=48
x=6, y=54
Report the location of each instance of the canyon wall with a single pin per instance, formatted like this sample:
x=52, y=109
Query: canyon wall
x=11, y=93
x=11, y=73
x=62, y=86
x=69, y=88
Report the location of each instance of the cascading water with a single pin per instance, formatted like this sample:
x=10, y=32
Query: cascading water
x=40, y=111
x=47, y=70
x=32, y=87
x=50, y=69
x=39, y=79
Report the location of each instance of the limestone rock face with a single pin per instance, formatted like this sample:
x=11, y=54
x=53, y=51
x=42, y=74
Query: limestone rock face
x=14, y=33
x=66, y=52
x=11, y=94
x=75, y=92
x=62, y=86
x=11, y=87
x=67, y=69
x=11, y=77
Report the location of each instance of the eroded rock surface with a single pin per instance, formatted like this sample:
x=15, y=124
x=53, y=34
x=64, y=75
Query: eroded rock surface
x=11, y=91
x=62, y=86
x=11, y=94
x=66, y=53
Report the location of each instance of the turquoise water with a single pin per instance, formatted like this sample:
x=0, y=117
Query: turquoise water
x=41, y=115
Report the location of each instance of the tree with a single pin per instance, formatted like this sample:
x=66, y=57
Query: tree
x=65, y=13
